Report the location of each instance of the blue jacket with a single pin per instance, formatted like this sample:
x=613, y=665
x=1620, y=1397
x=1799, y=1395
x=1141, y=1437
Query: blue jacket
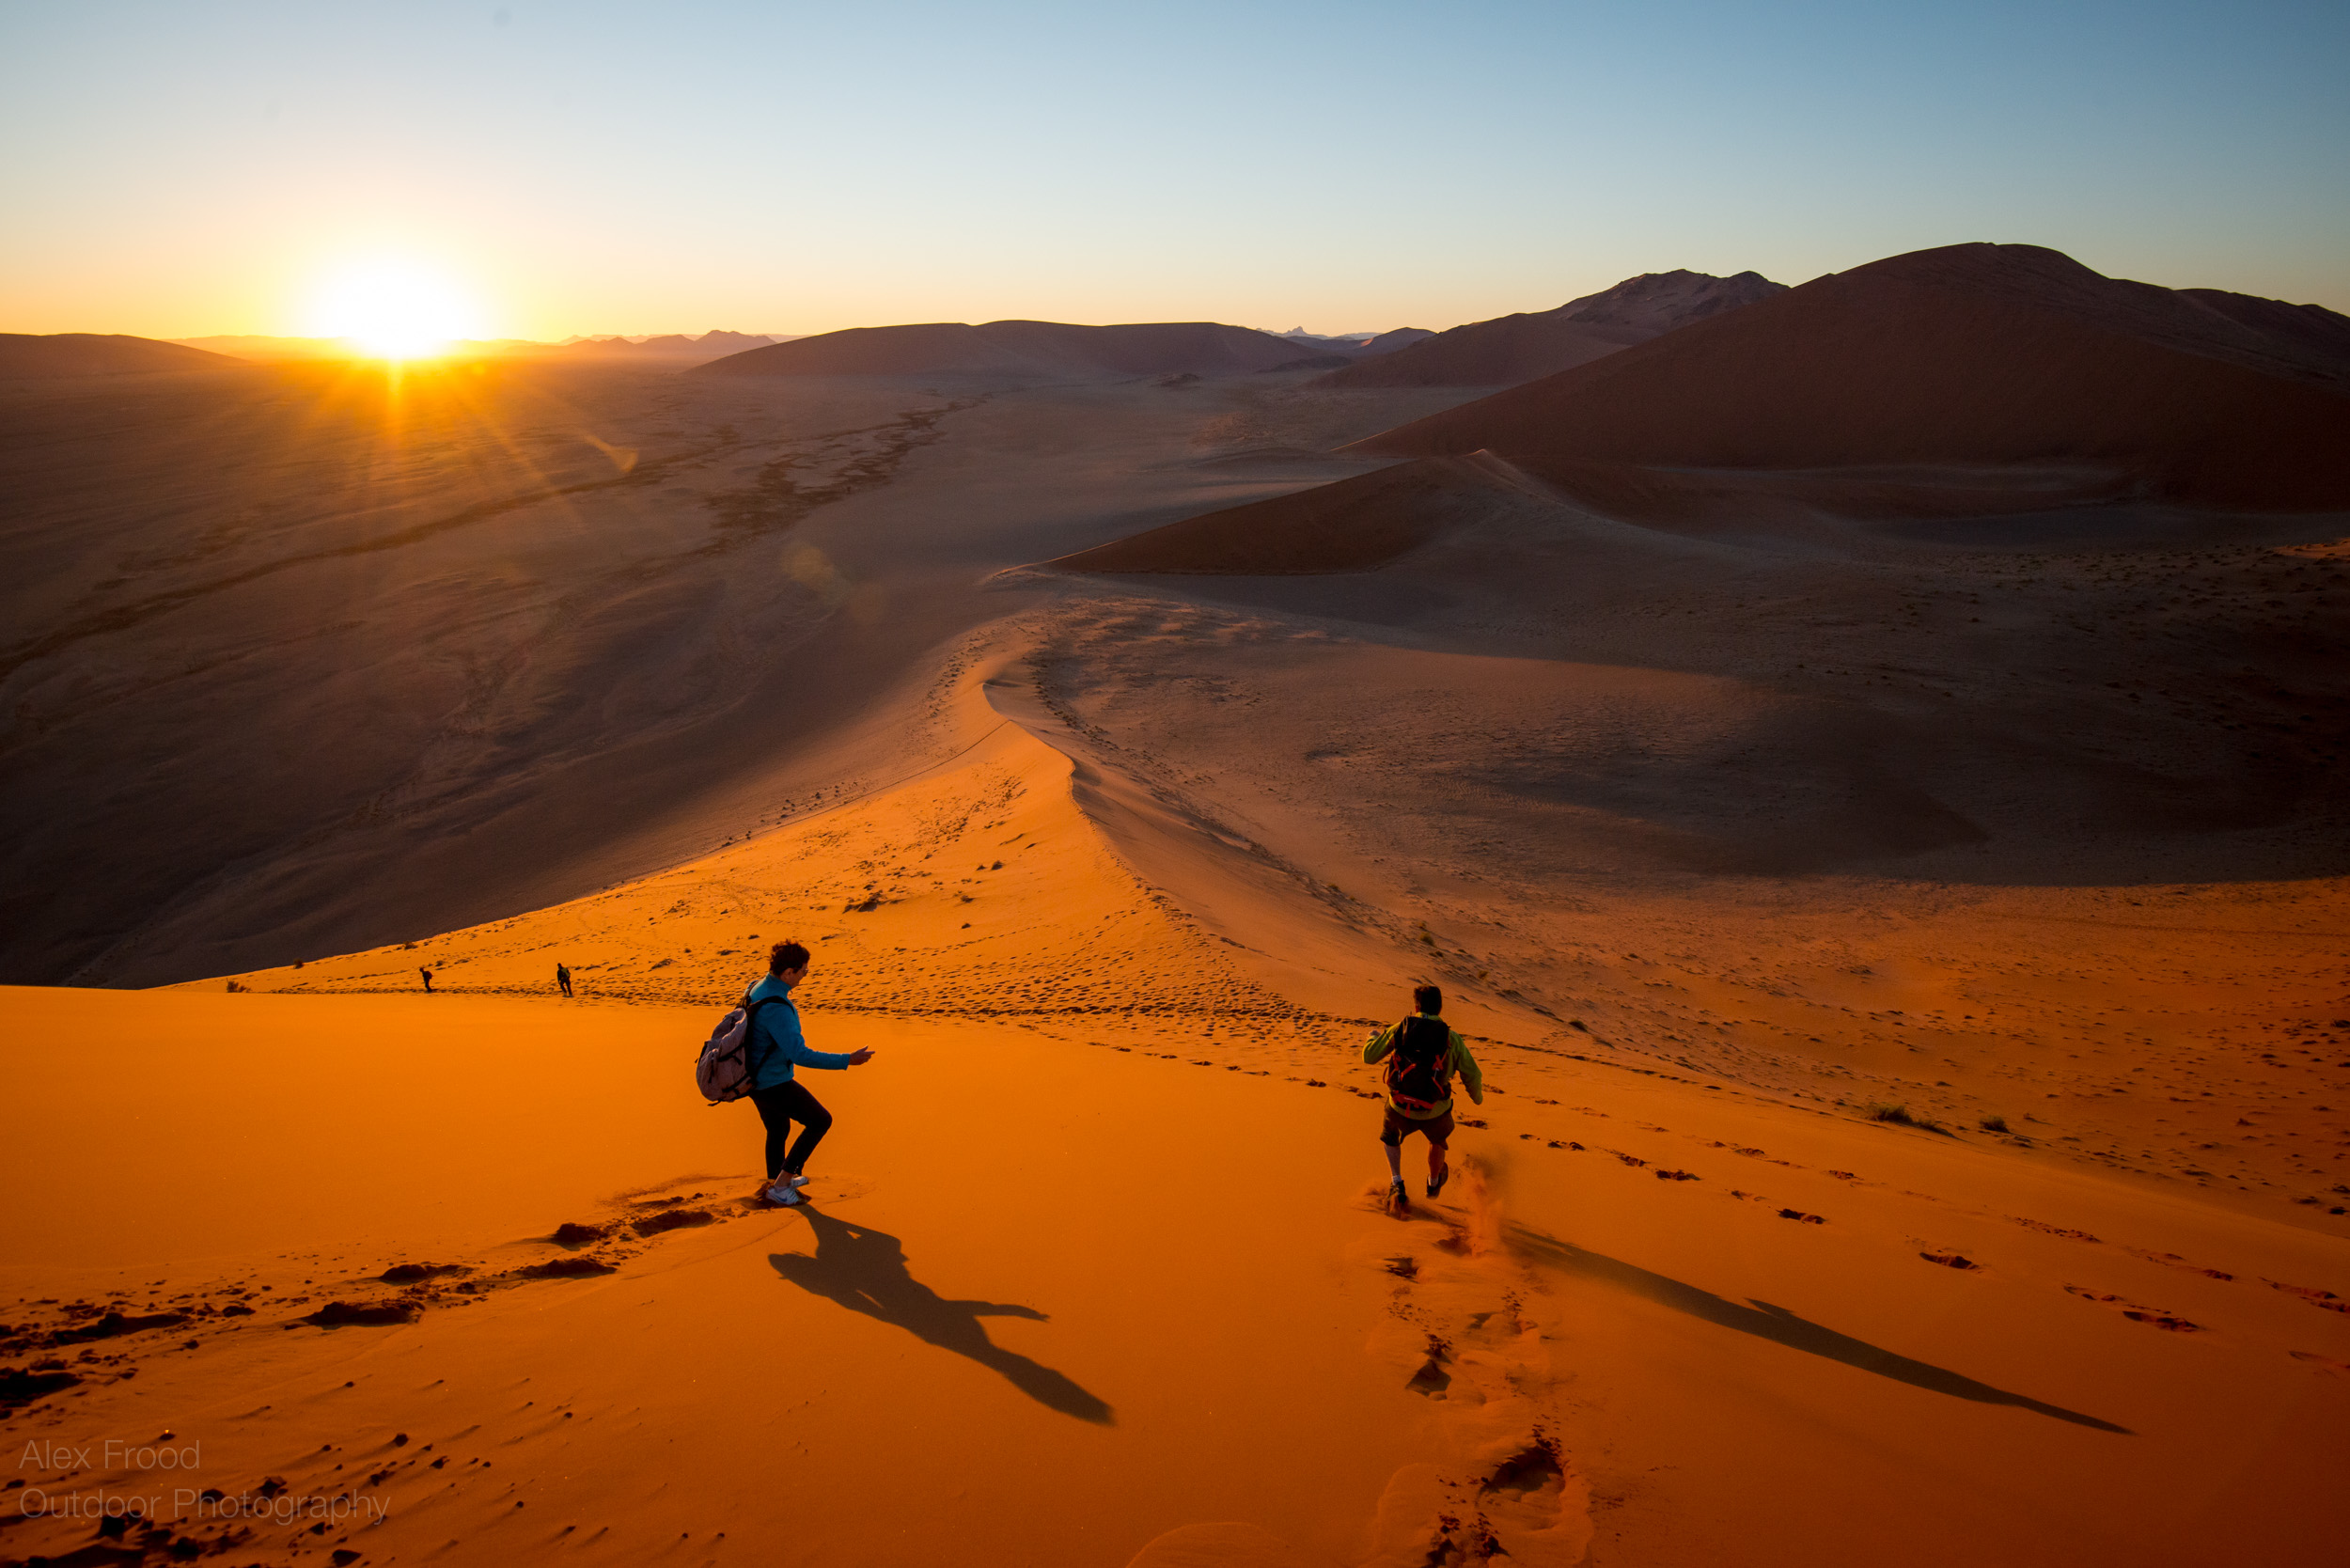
x=776, y=1045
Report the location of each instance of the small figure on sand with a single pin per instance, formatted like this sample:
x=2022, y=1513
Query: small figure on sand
x=563, y=979
x=778, y=1047
x=428, y=979
x=1424, y=1052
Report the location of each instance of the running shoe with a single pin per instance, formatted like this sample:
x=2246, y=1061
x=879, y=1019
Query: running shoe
x=1435, y=1184
x=783, y=1192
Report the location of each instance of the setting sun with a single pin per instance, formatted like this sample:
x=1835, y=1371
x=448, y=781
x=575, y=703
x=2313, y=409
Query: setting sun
x=395, y=310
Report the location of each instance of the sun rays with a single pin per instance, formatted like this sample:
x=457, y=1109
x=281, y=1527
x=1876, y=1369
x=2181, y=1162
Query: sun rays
x=395, y=309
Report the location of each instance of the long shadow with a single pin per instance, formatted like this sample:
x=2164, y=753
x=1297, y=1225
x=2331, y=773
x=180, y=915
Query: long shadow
x=865, y=1270
x=1777, y=1324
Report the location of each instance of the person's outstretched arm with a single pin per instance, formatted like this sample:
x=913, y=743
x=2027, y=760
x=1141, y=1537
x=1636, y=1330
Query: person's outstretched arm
x=1465, y=1065
x=798, y=1053
x=1381, y=1043
x=793, y=1048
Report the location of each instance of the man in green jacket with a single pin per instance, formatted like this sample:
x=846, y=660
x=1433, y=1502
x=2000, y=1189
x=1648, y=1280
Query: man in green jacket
x=1426, y=1054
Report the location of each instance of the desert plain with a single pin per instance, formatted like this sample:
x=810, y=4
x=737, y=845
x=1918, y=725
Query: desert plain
x=1865, y=763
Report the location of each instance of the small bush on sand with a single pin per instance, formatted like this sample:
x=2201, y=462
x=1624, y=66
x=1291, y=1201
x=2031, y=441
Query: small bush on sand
x=1899, y=1116
x=1992, y=1123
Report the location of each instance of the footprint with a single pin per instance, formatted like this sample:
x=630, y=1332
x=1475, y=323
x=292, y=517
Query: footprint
x=1466, y=1332
x=2315, y=1297
x=2172, y=1260
x=1432, y=1379
x=2151, y=1316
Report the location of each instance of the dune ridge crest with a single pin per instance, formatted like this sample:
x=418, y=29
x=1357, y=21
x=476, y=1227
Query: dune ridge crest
x=1018, y=347
x=1530, y=344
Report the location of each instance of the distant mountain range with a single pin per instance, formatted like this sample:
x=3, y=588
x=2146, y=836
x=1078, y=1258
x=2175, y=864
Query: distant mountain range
x=675, y=349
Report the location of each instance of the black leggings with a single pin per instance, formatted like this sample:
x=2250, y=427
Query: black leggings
x=779, y=1108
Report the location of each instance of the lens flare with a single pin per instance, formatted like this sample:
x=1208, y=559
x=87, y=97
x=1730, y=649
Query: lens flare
x=395, y=310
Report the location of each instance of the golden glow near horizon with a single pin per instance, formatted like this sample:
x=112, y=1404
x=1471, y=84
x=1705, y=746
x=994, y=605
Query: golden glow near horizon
x=394, y=309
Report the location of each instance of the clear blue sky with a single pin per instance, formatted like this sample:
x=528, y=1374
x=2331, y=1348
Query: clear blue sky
x=184, y=169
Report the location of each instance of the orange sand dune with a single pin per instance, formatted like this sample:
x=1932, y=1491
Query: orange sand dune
x=1091, y=1273
x=1972, y=353
x=1018, y=347
x=1512, y=349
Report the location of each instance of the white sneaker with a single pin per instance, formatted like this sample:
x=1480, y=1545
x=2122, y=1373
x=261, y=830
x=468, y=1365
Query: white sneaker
x=783, y=1192
x=792, y=1181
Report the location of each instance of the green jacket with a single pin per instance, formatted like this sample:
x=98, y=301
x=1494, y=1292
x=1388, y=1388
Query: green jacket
x=1461, y=1062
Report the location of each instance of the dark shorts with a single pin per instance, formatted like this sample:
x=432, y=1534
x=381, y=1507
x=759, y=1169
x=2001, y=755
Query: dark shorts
x=1398, y=1126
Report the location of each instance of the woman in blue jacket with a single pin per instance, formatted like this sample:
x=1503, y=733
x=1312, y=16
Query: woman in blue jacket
x=778, y=1047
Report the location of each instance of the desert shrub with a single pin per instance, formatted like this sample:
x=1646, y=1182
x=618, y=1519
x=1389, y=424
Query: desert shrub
x=1899, y=1116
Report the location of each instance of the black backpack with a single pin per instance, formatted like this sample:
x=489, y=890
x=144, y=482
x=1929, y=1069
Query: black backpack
x=1420, y=1069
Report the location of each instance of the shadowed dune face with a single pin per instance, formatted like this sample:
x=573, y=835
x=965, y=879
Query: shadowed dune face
x=1552, y=774
x=269, y=639
x=1350, y=526
x=1976, y=354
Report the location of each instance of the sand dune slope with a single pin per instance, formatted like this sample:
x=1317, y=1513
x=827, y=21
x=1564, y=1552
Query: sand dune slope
x=91, y=353
x=1350, y=526
x=1017, y=347
x=1520, y=348
x=1973, y=353
x=354, y=609
x=956, y=891
x=1092, y=1275
x=1106, y=1296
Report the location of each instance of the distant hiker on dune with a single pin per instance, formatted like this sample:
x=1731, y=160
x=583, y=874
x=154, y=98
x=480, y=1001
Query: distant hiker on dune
x=428, y=979
x=777, y=1047
x=1422, y=1053
x=563, y=979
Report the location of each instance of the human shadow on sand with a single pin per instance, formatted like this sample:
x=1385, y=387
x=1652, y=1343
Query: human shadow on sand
x=865, y=1270
x=1767, y=1321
